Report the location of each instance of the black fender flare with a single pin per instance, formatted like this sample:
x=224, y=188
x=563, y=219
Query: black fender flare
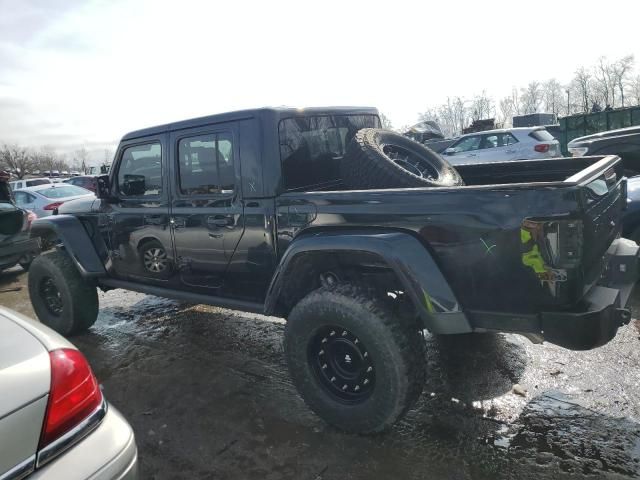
x=411, y=261
x=73, y=236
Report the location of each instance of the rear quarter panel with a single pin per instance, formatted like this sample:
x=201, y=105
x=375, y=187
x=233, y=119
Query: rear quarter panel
x=473, y=233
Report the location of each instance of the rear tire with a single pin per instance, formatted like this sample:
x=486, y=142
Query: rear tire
x=61, y=298
x=355, y=365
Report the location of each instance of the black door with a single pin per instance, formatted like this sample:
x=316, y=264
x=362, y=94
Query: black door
x=206, y=206
x=139, y=218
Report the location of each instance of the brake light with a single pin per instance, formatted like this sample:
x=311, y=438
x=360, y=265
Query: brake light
x=542, y=147
x=52, y=206
x=74, y=394
x=30, y=217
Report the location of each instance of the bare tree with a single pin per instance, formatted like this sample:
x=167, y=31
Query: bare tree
x=82, y=156
x=531, y=97
x=482, y=106
x=620, y=71
x=605, y=87
x=582, y=87
x=386, y=123
x=507, y=111
x=16, y=159
x=634, y=90
x=552, y=96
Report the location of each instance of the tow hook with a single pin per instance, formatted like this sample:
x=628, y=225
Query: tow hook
x=624, y=315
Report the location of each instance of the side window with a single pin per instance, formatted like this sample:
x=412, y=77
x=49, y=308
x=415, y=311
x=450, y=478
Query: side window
x=468, y=144
x=490, y=141
x=140, y=171
x=20, y=198
x=509, y=139
x=205, y=164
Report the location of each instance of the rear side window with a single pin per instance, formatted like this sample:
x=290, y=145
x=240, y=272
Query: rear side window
x=311, y=147
x=34, y=183
x=140, y=171
x=541, y=135
x=205, y=164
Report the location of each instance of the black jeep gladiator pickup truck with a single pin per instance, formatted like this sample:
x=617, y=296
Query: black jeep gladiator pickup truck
x=361, y=238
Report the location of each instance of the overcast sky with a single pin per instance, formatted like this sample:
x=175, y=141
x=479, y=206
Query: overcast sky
x=78, y=73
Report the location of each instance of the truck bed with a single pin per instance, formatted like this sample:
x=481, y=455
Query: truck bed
x=477, y=232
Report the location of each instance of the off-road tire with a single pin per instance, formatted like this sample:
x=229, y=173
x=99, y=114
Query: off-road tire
x=79, y=299
x=368, y=164
x=396, y=349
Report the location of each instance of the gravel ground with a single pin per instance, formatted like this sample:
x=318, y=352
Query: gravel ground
x=208, y=394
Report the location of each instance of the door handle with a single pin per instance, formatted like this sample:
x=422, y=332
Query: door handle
x=178, y=223
x=220, y=221
x=511, y=151
x=472, y=155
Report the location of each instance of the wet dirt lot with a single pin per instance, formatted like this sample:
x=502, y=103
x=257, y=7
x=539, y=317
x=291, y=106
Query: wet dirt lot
x=208, y=394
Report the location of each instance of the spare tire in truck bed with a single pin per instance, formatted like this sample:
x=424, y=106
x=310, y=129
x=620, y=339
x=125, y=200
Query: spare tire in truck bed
x=377, y=158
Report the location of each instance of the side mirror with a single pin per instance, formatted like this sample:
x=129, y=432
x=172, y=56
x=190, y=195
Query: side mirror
x=103, y=189
x=450, y=151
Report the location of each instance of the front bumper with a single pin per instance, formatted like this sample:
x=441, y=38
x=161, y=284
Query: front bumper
x=603, y=309
x=107, y=453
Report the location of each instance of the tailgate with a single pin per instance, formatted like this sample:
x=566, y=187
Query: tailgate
x=603, y=194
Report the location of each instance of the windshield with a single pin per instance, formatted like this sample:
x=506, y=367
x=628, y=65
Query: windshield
x=311, y=147
x=63, y=191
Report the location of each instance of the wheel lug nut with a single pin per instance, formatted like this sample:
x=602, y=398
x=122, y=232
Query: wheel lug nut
x=333, y=332
x=369, y=369
x=357, y=388
x=344, y=387
x=344, y=333
x=356, y=341
x=324, y=367
x=321, y=352
x=324, y=340
x=366, y=380
x=366, y=354
x=333, y=379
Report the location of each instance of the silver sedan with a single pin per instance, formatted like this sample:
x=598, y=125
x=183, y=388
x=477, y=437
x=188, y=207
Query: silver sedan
x=54, y=421
x=44, y=199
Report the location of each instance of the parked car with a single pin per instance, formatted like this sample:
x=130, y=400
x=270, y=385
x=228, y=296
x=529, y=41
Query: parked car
x=44, y=199
x=16, y=246
x=528, y=143
x=624, y=142
x=28, y=182
x=85, y=181
x=75, y=173
x=54, y=420
x=360, y=237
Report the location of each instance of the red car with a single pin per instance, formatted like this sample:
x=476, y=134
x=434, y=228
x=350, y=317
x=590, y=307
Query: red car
x=85, y=181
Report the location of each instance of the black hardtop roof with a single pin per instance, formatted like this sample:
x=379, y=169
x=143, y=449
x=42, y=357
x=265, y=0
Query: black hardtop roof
x=277, y=112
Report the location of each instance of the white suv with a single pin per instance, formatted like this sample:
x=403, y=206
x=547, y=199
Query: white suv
x=503, y=145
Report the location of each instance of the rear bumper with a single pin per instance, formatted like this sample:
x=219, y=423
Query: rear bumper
x=11, y=252
x=594, y=321
x=107, y=453
x=603, y=309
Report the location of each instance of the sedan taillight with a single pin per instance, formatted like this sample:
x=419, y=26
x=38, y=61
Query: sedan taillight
x=52, y=206
x=542, y=147
x=74, y=396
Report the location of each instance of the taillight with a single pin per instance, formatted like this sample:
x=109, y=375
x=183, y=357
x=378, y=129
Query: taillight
x=52, y=206
x=29, y=218
x=74, y=394
x=542, y=147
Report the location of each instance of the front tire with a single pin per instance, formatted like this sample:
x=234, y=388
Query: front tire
x=61, y=298
x=356, y=366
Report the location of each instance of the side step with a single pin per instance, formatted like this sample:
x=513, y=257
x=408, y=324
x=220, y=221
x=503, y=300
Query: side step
x=252, y=307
